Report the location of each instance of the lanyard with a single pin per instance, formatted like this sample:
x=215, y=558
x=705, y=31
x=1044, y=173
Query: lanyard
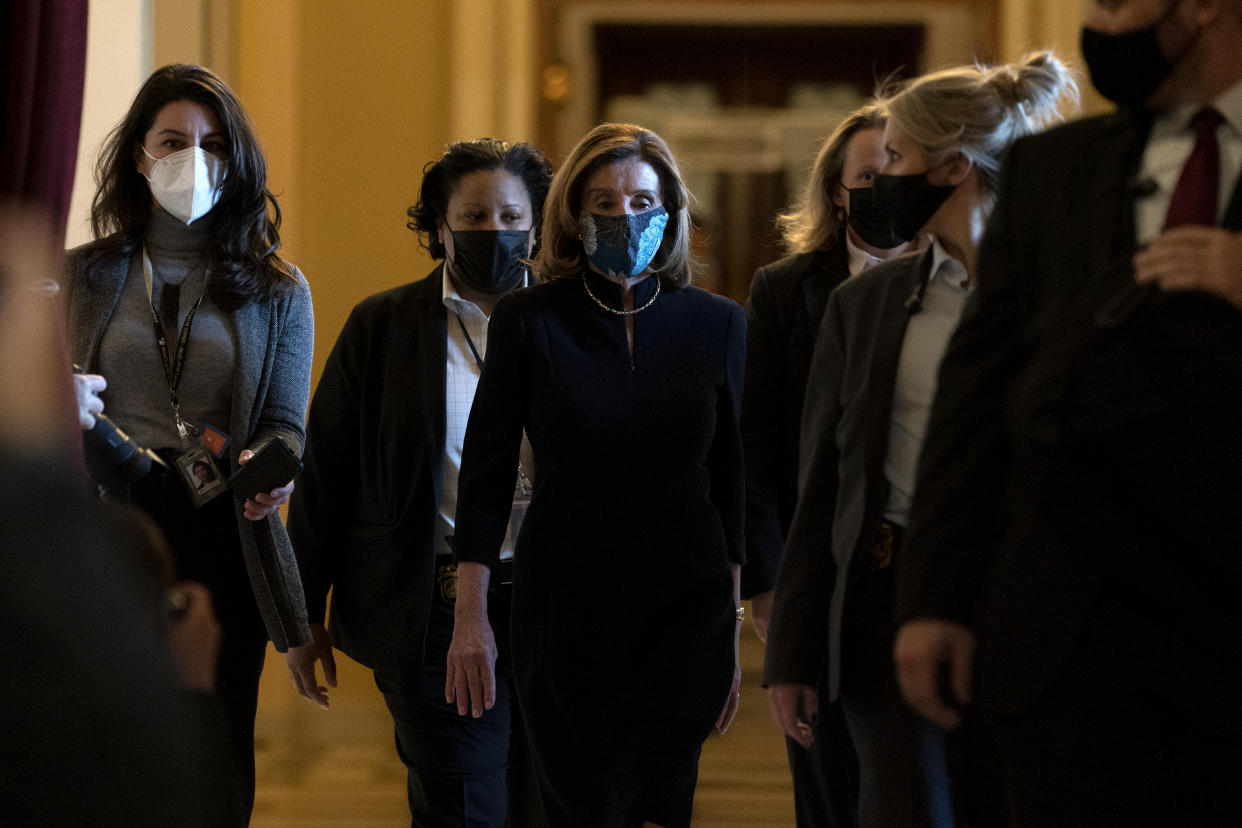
x=524, y=485
x=478, y=360
x=172, y=363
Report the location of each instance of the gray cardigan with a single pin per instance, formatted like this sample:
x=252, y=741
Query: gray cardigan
x=271, y=391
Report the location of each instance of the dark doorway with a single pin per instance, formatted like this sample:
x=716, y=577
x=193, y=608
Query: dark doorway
x=745, y=109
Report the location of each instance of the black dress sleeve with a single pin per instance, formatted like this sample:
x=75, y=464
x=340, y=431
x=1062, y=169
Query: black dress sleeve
x=725, y=459
x=489, y=458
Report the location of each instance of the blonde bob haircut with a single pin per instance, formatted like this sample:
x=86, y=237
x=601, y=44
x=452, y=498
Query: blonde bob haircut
x=979, y=111
x=560, y=252
x=815, y=222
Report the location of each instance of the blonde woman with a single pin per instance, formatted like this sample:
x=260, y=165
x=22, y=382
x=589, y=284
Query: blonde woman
x=829, y=239
x=875, y=363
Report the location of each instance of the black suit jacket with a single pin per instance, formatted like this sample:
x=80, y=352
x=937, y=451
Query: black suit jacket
x=786, y=303
x=363, y=516
x=842, y=488
x=1071, y=455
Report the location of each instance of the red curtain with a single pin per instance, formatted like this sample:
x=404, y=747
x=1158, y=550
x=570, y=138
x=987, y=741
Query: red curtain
x=44, y=68
x=43, y=62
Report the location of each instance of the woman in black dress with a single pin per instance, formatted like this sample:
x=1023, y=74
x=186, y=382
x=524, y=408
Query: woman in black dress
x=625, y=601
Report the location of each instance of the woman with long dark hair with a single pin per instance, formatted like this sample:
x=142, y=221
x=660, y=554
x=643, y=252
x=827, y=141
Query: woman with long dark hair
x=198, y=337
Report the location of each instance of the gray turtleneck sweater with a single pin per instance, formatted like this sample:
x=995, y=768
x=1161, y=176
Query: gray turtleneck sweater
x=137, y=395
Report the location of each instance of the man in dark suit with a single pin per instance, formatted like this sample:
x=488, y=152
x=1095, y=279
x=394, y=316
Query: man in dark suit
x=1071, y=577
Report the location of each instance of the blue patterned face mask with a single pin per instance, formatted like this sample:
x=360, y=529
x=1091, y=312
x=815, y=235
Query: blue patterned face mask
x=623, y=246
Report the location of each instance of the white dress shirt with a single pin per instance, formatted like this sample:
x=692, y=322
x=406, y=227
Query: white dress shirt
x=859, y=259
x=926, y=340
x=1168, y=147
x=461, y=380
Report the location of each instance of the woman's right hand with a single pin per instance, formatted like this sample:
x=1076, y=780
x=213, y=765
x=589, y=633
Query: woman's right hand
x=471, y=678
x=795, y=708
x=301, y=663
x=86, y=388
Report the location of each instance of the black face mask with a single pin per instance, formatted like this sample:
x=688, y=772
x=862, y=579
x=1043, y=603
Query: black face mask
x=909, y=201
x=489, y=260
x=870, y=222
x=1127, y=67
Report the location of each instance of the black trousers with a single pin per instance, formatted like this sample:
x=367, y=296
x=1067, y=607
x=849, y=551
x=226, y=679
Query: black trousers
x=657, y=789
x=895, y=746
x=825, y=778
x=206, y=547
x=461, y=772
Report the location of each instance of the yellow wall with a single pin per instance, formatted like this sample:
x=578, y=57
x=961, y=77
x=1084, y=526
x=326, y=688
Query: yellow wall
x=350, y=100
x=1026, y=25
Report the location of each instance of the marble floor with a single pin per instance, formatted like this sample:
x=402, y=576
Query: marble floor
x=339, y=769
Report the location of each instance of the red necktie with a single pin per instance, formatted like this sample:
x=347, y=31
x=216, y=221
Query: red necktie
x=1194, y=197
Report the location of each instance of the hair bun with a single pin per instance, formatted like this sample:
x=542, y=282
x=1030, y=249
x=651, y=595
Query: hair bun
x=1034, y=84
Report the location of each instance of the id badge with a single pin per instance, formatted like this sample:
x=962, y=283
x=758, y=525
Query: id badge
x=446, y=579
x=200, y=475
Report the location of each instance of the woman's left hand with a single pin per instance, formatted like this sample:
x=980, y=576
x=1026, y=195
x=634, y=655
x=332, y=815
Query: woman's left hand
x=264, y=503
x=735, y=693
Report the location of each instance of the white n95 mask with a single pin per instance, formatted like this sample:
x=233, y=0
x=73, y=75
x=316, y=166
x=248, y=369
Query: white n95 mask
x=187, y=182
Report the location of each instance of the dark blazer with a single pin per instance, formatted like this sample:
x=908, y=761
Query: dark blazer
x=363, y=516
x=842, y=488
x=786, y=302
x=1074, y=453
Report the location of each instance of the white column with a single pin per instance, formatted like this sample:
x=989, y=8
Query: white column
x=491, y=73
x=118, y=59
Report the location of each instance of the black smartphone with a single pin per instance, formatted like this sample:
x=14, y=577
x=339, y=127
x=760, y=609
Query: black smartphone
x=272, y=467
